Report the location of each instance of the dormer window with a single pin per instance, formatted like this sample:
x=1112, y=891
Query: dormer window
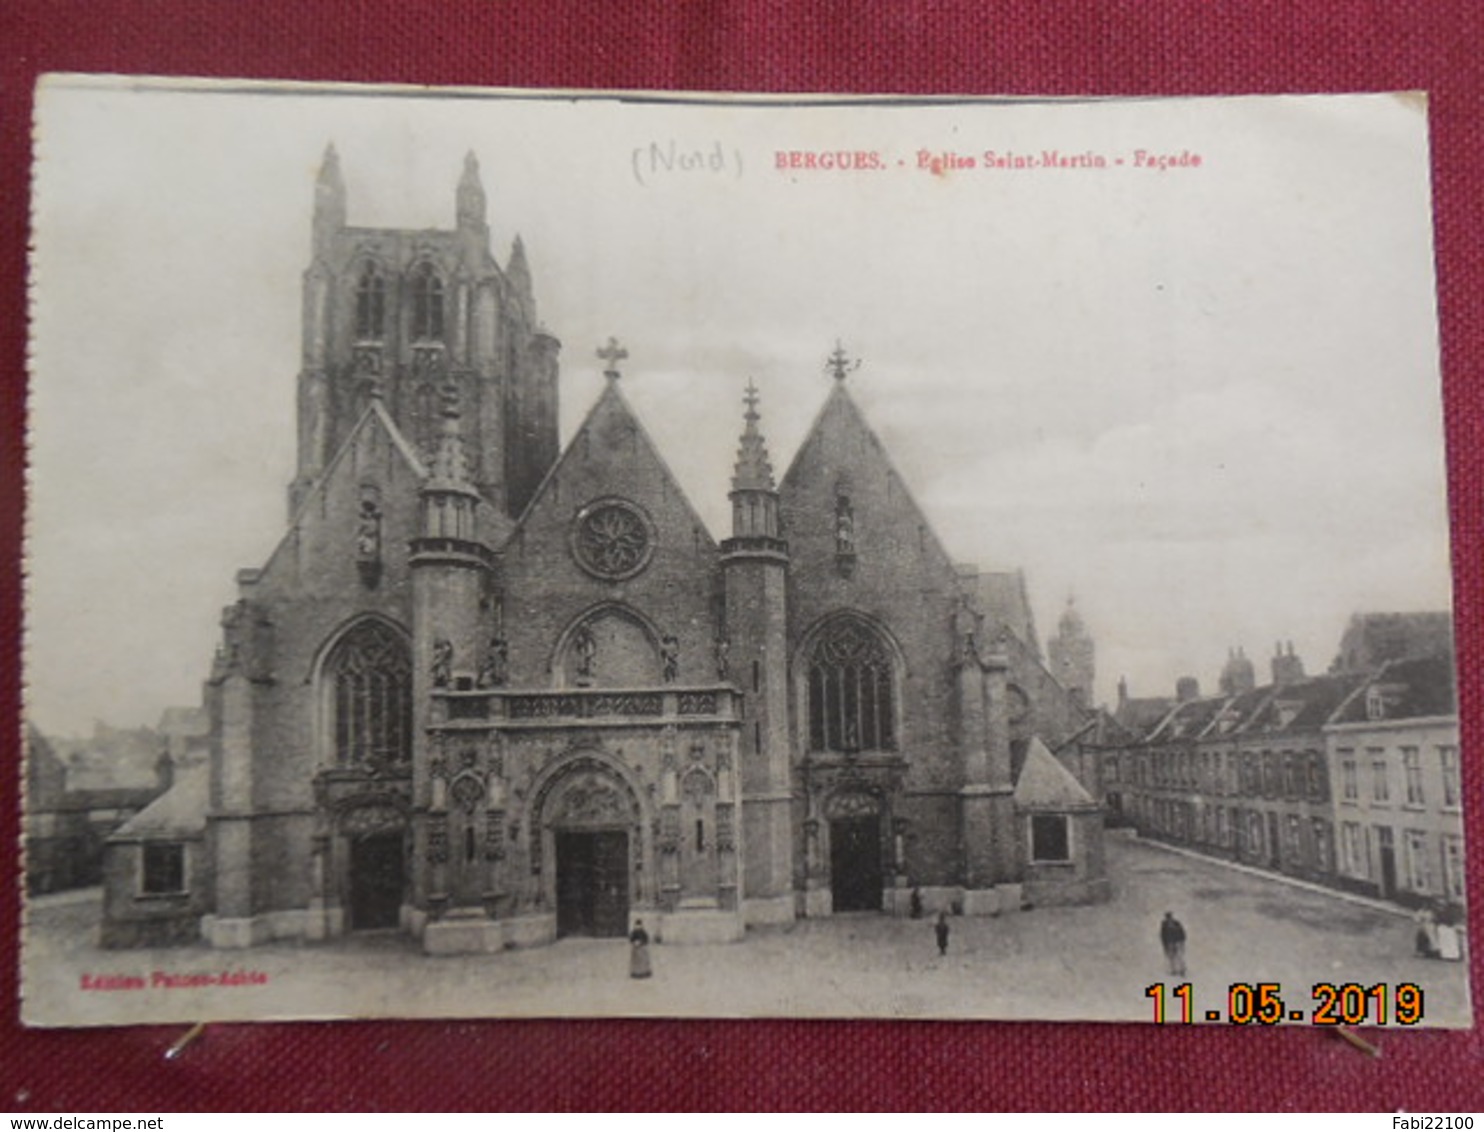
x=1375, y=703
x=427, y=303
x=370, y=304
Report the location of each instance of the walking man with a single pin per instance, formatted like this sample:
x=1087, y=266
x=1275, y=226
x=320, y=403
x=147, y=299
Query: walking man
x=1172, y=936
x=940, y=929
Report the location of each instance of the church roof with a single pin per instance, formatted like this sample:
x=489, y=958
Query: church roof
x=611, y=412
x=179, y=812
x=840, y=417
x=1045, y=784
x=1003, y=599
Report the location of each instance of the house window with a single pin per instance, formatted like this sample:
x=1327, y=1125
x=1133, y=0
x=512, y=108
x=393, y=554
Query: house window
x=850, y=690
x=1269, y=773
x=1349, y=780
x=1352, y=845
x=1322, y=854
x=164, y=868
x=370, y=303
x=1412, y=762
x=427, y=303
x=1375, y=703
x=1419, y=876
x=370, y=680
x=1380, y=780
x=1318, y=787
x=1453, y=866
x=1050, y=838
x=1448, y=758
x=1290, y=777
x=1295, y=846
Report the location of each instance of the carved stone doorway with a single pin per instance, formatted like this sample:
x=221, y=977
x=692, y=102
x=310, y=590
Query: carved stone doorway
x=378, y=880
x=855, y=863
x=592, y=883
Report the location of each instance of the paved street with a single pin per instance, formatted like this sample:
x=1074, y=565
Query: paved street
x=1089, y=962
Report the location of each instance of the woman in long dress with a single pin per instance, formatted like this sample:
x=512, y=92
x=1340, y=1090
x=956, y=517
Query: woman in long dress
x=639, y=967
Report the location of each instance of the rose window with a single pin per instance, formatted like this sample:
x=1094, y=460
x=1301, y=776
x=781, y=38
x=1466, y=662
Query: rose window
x=612, y=539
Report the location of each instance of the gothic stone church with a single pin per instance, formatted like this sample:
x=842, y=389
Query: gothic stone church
x=492, y=692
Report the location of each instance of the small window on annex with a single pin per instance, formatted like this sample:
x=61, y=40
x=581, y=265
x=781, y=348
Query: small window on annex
x=164, y=868
x=1050, y=838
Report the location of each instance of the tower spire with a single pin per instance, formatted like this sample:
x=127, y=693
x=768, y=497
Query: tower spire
x=754, y=471
x=470, y=200
x=329, y=196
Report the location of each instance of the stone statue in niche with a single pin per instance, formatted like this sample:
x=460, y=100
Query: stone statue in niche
x=493, y=670
x=442, y=662
x=368, y=530
x=844, y=526
x=723, y=650
x=585, y=645
x=669, y=658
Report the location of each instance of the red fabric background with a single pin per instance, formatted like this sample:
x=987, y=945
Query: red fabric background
x=1060, y=47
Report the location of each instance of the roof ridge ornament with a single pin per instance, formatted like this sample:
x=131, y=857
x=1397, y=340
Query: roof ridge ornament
x=840, y=364
x=612, y=354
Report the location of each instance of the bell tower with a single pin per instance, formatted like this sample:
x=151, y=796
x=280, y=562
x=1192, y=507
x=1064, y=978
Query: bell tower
x=401, y=313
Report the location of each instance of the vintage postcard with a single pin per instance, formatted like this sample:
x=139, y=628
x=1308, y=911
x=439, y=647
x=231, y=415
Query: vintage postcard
x=520, y=555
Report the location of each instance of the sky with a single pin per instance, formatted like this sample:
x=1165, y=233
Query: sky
x=1202, y=398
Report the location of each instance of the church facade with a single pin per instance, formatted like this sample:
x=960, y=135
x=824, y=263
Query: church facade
x=491, y=691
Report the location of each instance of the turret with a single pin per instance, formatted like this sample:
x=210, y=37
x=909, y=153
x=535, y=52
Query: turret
x=518, y=272
x=471, y=207
x=452, y=573
x=752, y=654
x=329, y=201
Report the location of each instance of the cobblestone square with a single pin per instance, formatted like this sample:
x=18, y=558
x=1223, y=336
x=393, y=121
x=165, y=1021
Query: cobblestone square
x=1089, y=962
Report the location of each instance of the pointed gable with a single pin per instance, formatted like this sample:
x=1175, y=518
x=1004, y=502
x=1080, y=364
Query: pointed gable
x=1045, y=784
x=375, y=464
x=662, y=563
x=842, y=498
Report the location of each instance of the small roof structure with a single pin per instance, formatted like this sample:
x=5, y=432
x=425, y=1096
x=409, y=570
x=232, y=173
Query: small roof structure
x=179, y=812
x=1045, y=784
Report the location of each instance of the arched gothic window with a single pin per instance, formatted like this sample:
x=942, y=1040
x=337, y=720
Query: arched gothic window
x=427, y=303
x=370, y=682
x=850, y=690
x=370, y=303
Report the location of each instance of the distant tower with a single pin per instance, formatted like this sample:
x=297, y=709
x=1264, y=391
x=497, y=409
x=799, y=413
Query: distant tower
x=1072, y=654
x=402, y=313
x=1239, y=675
x=754, y=564
x=1288, y=667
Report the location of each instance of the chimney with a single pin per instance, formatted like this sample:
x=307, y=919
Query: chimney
x=1187, y=688
x=1287, y=667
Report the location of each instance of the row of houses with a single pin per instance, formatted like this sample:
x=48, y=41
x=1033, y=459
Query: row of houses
x=1349, y=779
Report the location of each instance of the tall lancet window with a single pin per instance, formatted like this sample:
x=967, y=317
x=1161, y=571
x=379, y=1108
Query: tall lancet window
x=369, y=678
x=370, y=304
x=427, y=303
x=851, y=706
